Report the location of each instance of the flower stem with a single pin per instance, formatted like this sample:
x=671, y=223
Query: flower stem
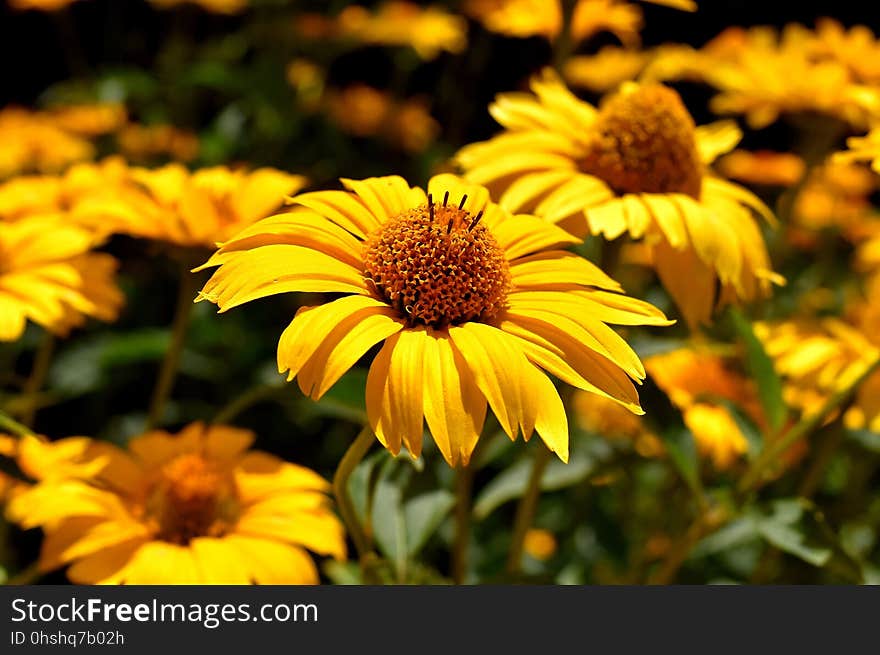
x=563, y=44
x=352, y=457
x=186, y=292
x=240, y=403
x=464, y=482
x=42, y=360
x=525, y=511
x=754, y=476
x=12, y=426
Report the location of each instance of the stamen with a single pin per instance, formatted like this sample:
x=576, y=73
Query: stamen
x=431, y=207
x=445, y=198
x=475, y=221
x=463, y=200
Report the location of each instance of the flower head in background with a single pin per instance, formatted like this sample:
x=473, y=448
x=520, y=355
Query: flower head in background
x=700, y=383
x=88, y=120
x=191, y=209
x=762, y=74
x=540, y=544
x=609, y=420
x=636, y=166
x=862, y=148
x=49, y=275
x=215, y=6
x=197, y=507
x=471, y=305
x=762, y=167
x=141, y=143
x=607, y=69
x=31, y=142
x=41, y=5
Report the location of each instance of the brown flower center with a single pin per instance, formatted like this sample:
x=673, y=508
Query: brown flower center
x=438, y=265
x=644, y=141
x=191, y=498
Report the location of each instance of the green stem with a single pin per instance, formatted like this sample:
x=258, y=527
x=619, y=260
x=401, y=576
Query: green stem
x=12, y=426
x=353, y=456
x=26, y=576
x=563, y=45
x=186, y=292
x=239, y=404
x=464, y=482
x=754, y=476
x=679, y=552
x=42, y=360
x=525, y=511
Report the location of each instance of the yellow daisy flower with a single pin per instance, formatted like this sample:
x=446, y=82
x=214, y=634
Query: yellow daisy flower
x=195, y=507
x=762, y=167
x=695, y=380
x=89, y=120
x=427, y=30
x=856, y=47
x=49, y=275
x=862, y=148
x=762, y=74
x=638, y=165
x=189, y=209
x=31, y=142
x=215, y=6
x=817, y=357
x=606, y=70
x=472, y=304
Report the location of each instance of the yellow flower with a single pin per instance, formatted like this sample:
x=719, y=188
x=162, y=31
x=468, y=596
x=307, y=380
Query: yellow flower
x=862, y=148
x=637, y=165
x=697, y=381
x=215, y=6
x=42, y=5
x=31, y=142
x=193, y=508
x=307, y=79
x=604, y=417
x=473, y=305
x=25, y=195
x=524, y=18
x=429, y=31
x=763, y=167
x=817, y=357
x=147, y=142
x=49, y=275
x=605, y=70
x=365, y=112
x=857, y=48
x=89, y=120
x=188, y=209
x=762, y=74
x=540, y=544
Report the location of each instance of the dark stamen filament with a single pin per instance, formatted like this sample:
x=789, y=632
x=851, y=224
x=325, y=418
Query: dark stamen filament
x=463, y=200
x=475, y=221
x=445, y=198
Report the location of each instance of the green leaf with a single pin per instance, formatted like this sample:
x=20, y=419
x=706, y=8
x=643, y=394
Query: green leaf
x=761, y=369
x=512, y=482
x=359, y=487
x=423, y=515
x=782, y=529
x=344, y=573
x=389, y=524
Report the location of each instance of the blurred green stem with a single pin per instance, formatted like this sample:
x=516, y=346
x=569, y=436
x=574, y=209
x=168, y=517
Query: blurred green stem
x=12, y=426
x=464, y=483
x=26, y=576
x=525, y=511
x=754, y=477
x=42, y=360
x=186, y=292
x=244, y=401
x=352, y=457
x=563, y=45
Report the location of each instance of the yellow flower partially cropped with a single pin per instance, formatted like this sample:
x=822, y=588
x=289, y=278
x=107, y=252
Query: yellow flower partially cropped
x=367, y=112
x=525, y=18
x=187, y=208
x=608, y=419
x=49, y=275
x=197, y=507
x=762, y=167
x=862, y=148
x=41, y=5
x=762, y=74
x=606, y=70
x=215, y=6
x=817, y=357
x=471, y=305
x=540, y=544
x=857, y=48
x=30, y=142
x=698, y=381
x=89, y=120
x=148, y=142
x=25, y=195
x=427, y=30
x=636, y=166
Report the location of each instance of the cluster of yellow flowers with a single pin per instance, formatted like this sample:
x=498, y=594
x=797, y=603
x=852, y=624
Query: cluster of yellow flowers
x=469, y=289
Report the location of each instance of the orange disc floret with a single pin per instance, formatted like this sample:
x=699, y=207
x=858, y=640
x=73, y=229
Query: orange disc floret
x=645, y=142
x=438, y=265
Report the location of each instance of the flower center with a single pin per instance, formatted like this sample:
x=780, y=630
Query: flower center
x=191, y=498
x=438, y=265
x=644, y=141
